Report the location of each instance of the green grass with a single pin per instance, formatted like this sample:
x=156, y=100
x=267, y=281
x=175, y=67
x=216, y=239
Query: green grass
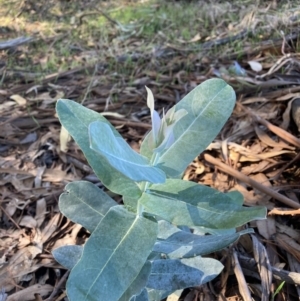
x=140, y=27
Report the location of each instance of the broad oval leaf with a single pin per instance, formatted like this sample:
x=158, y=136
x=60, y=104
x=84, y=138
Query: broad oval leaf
x=181, y=244
x=84, y=203
x=136, y=290
x=121, y=156
x=76, y=119
x=197, y=205
x=209, y=106
x=68, y=256
x=174, y=274
x=112, y=257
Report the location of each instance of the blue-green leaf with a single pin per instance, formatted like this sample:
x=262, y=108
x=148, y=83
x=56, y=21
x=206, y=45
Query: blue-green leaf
x=131, y=202
x=209, y=106
x=236, y=196
x=112, y=257
x=197, y=205
x=121, y=156
x=68, y=256
x=84, y=203
x=76, y=119
x=136, y=290
x=156, y=121
x=174, y=274
x=181, y=244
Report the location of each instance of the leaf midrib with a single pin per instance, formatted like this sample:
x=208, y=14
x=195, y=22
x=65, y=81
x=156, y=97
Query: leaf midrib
x=192, y=123
x=113, y=253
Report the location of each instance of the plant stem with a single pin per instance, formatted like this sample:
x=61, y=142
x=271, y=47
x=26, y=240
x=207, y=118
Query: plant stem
x=154, y=158
x=145, y=185
x=140, y=209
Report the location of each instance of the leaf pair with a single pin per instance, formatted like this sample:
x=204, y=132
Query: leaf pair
x=185, y=131
x=158, y=276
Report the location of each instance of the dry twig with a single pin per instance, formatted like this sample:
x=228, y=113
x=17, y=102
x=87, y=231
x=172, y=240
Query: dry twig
x=229, y=170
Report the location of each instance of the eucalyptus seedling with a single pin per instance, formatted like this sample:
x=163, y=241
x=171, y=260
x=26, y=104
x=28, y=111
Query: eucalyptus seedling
x=153, y=244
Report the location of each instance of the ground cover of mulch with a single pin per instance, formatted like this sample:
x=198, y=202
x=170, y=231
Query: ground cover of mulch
x=256, y=153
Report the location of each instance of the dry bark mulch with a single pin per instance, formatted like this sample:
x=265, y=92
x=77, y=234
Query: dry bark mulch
x=256, y=153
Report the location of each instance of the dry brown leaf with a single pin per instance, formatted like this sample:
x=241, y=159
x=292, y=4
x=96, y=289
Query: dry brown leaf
x=20, y=264
x=286, y=115
x=6, y=106
x=264, y=267
x=265, y=138
x=46, y=99
x=284, y=229
x=28, y=221
x=267, y=227
x=294, y=267
x=251, y=157
x=28, y=293
x=255, y=167
x=68, y=239
x=237, y=148
x=276, y=130
x=24, y=240
x=258, y=196
x=254, y=100
x=292, y=194
x=256, y=148
x=221, y=182
x=40, y=211
x=51, y=227
x=15, y=204
x=214, y=145
x=288, y=244
x=19, y=184
x=64, y=138
x=39, y=174
x=57, y=175
x=21, y=101
x=287, y=96
x=246, y=242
